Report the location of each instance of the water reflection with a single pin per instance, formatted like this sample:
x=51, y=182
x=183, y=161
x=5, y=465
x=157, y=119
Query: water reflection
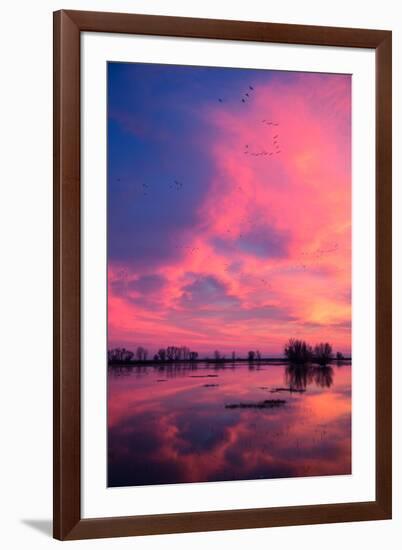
x=169, y=424
x=300, y=376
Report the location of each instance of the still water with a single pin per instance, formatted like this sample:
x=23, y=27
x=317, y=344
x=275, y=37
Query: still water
x=207, y=422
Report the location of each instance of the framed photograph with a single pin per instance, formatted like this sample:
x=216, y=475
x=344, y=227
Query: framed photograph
x=222, y=275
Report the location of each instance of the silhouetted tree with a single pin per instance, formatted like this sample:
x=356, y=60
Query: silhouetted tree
x=127, y=355
x=174, y=353
x=170, y=352
x=156, y=357
x=193, y=355
x=339, y=356
x=258, y=355
x=162, y=354
x=233, y=356
x=141, y=353
x=298, y=352
x=323, y=353
x=119, y=355
x=185, y=352
x=251, y=355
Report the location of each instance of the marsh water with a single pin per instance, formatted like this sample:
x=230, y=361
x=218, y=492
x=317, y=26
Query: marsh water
x=206, y=422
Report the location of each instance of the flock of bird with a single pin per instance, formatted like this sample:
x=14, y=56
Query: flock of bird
x=318, y=253
x=273, y=150
x=246, y=96
x=177, y=185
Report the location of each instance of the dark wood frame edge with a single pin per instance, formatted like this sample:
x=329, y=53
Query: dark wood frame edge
x=68, y=26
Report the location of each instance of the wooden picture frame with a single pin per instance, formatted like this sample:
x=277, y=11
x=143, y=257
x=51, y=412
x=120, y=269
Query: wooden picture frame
x=68, y=523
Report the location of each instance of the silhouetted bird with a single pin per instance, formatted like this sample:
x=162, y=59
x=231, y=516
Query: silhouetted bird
x=243, y=100
x=220, y=100
x=251, y=88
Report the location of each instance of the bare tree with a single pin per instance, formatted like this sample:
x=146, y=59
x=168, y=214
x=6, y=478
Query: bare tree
x=141, y=353
x=162, y=354
x=185, y=352
x=251, y=355
x=119, y=355
x=173, y=353
x=323, y=353
x=298, y=352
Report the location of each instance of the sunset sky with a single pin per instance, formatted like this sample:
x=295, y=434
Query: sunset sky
x=229, y=221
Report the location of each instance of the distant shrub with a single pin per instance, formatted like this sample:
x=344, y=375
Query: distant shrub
x=298, y=352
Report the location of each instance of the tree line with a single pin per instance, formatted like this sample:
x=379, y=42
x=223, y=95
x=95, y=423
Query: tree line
x=297, y=352
x=171, y=353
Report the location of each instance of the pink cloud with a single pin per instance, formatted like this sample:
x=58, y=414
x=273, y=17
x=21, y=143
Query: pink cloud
x=275, y=232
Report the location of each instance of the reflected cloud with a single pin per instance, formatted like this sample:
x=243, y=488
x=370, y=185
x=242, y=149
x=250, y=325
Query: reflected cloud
x=180, y=431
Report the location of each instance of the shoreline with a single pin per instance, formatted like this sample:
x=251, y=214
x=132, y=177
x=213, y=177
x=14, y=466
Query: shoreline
x=266, y=360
